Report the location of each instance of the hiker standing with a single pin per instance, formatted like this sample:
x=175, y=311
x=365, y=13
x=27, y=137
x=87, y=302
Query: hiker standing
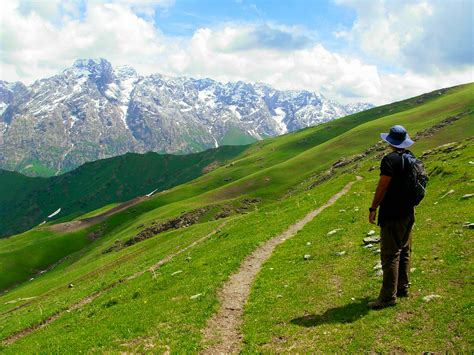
x=396, y=216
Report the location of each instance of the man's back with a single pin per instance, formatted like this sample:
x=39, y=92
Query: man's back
x=394, y=204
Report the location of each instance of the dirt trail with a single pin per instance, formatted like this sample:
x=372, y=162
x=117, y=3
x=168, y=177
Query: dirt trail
x=73, y=226
x=222, y=333
x=22, y=333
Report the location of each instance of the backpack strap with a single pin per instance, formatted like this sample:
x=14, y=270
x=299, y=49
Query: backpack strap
x=401, y=153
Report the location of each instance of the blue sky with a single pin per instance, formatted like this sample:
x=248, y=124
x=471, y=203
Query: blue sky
x=317, y=19
x=320, y=17
x=349, y=50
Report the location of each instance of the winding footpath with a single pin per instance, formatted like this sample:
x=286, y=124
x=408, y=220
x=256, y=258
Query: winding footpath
x=222, y=334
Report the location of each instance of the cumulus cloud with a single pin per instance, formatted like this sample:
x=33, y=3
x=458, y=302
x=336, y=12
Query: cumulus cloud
x=425, y=37
x=249, y=37
x=35, y=44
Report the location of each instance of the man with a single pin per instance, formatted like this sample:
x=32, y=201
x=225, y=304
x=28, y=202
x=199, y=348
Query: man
x=396, y=218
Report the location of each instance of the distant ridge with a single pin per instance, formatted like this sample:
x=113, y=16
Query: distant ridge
x=27, y=201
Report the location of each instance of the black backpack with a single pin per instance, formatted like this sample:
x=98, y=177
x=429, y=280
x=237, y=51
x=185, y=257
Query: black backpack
x=415, y=178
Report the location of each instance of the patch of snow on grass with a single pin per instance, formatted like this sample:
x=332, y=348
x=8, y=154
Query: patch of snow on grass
x=151, y=193
x=54, y=213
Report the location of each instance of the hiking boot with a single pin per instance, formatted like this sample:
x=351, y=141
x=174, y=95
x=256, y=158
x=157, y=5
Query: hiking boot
x=402, y=292
x=379, y=304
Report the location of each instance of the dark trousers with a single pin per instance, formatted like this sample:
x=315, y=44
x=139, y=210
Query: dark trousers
x=395, y=253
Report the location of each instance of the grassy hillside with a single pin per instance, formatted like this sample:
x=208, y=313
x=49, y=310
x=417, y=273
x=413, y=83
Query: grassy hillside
x=321, y=303
x=126, y=300
x=27, y=201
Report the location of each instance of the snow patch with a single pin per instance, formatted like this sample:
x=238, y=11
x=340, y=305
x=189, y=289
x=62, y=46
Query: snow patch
x=113, y=91
x=279, y=117
x=80, y=72
x=216, y=144
x=255, y=134
x=123, y=116
x=79, y=84
x=54, y=213
x=126, y=87
x=186, y=106
x=233, y=109
x=3, y=107
x=208, y=97
x=43, y=109
x=151, y=193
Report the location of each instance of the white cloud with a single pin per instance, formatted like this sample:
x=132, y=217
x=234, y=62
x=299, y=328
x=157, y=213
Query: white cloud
x=33, y=45
x=399, y=86
x=423, y=36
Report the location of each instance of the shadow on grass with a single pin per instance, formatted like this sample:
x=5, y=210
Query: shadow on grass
x=345, y=314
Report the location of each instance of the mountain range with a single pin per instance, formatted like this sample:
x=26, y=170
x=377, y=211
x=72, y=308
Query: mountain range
x=93, y=111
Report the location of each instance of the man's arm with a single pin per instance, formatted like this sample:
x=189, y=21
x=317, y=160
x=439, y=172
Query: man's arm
x=382, y=187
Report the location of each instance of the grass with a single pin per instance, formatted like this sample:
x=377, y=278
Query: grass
x=35, y=168
x=235, y=136
x=315, y=311
x=34, y=251
x=99, y=210
x=320, y=304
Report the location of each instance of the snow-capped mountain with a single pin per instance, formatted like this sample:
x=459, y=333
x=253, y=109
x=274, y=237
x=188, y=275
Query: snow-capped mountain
x=92, y=111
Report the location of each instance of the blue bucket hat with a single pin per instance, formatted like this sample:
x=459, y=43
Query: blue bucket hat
x=398, y=137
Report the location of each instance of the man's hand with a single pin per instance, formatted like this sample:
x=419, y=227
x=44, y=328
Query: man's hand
x=372, y=216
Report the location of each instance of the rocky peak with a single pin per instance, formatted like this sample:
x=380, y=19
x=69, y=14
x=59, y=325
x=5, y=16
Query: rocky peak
x=8, y=90
x=99, y=71
x=125, y=72
x=93, y=65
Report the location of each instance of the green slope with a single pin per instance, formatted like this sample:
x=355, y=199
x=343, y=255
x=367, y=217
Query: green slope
x=155, y=311
x=322, y=303
x=27, y=201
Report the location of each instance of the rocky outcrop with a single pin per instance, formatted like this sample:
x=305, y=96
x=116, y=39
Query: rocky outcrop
x=185, y=220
